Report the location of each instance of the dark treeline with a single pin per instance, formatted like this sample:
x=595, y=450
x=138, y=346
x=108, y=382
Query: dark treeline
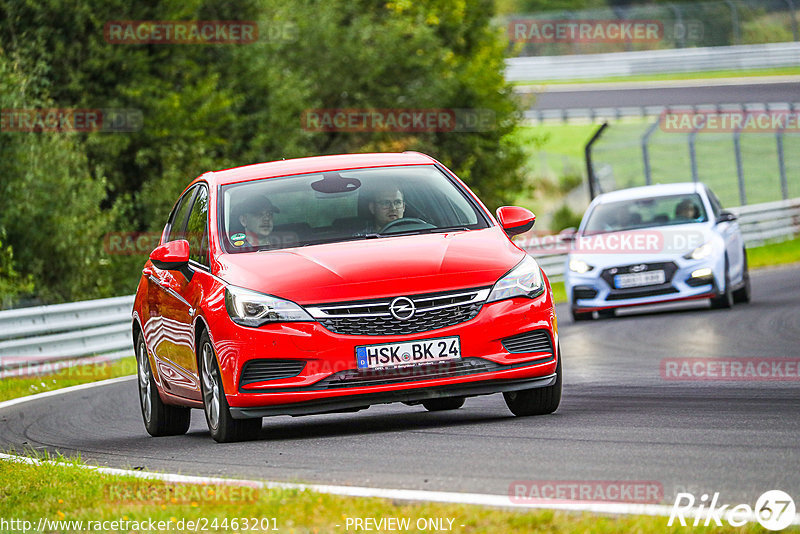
x=207, y=107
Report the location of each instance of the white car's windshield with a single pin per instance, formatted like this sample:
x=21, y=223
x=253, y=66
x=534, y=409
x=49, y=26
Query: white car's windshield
x=645, y=213
x=335, y=206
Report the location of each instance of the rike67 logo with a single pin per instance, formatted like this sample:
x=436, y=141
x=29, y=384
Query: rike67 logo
x=774, y=510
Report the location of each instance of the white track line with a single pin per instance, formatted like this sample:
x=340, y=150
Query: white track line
x=481, y=499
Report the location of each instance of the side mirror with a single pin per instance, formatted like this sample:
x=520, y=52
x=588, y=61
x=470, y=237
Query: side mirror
x=726, y=216
x=515, y=220
x=568, y=234
x=172, y=256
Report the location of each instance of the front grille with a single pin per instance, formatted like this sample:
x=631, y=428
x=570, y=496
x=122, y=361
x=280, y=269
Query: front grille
x=583, y=292
x=647, y=291
x=376, y=377
x=533, y=341
x=372, y=317
x=263, y=369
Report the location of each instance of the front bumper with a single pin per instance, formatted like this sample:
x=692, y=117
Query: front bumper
x=327, y=355
x=364, y=400
x=681, y=286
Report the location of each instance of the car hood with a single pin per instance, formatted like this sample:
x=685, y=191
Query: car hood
x=363, y=269
x=647, y=245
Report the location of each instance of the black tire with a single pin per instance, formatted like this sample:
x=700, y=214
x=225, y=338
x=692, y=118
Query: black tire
x=159, y=419
x=581, y=316
x=536, y=401
x=742, y=295
x=725, y=299
x=223, y=427
x=606, y=314
x=445, y=403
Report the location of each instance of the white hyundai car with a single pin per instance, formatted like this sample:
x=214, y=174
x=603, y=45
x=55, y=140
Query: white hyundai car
x=652, y=244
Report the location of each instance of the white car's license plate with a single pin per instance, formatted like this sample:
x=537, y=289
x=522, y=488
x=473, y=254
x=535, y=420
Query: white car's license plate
x=623, y=281
x=408, y=353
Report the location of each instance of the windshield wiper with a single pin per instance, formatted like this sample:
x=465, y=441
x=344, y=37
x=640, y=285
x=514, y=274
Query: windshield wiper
x=447, y=229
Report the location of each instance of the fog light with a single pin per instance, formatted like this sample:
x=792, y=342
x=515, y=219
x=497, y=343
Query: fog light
x=705, y=272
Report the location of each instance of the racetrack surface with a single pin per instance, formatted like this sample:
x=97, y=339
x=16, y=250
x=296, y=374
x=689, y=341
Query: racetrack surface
x=668, y=96
x=619, y=420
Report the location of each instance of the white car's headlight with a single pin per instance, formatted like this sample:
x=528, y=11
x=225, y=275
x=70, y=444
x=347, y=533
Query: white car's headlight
x=251, y=308
x=524, y=280
x=579, y=266
x=700, y=252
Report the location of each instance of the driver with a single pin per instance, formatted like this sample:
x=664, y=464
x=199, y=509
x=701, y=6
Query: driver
x=386, y=205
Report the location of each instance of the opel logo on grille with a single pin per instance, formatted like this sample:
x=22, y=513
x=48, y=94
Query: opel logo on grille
x=639, y=268
x=402, y=308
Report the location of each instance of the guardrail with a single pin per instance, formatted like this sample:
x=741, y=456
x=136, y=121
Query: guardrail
x=31, y=338
x=588, y=66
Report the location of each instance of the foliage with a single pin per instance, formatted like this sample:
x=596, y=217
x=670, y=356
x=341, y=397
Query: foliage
x=564, y=217
x=49, y=205
x=207, y=107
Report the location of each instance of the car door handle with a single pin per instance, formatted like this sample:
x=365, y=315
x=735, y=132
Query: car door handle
x=147, y=271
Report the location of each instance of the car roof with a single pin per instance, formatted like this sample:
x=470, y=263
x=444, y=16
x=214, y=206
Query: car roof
x=289, y=167
x=648, y=191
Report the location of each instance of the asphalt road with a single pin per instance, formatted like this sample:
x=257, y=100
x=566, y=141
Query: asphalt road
x=593, y=97
x=619, y=420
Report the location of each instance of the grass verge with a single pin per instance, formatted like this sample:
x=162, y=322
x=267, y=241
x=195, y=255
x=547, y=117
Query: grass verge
x=11, y=388
x=62, y=492
x=774, y=254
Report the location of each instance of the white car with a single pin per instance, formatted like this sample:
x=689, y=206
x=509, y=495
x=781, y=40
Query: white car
x=652, y=244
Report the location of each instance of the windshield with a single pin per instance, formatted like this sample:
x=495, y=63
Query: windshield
x=327, y=207
x=645, y=213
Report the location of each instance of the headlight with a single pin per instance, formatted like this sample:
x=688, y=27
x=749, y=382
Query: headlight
x=700, y=252
x=524, y=280
x=579, y=266
x=250, y=308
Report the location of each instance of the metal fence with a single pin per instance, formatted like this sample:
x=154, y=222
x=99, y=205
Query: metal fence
x=742, y=166
x=680, y=25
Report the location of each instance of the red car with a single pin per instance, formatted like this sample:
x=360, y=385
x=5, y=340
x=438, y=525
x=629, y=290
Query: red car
x=332, y=283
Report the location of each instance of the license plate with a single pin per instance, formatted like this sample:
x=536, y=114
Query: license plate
x=623, y=281
x=408, y=353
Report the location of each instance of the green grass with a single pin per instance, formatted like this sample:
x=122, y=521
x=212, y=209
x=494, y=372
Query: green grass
x=779, y=71
x=11, y=388
x=64, y=492
x=618, y=156
x=774, y=254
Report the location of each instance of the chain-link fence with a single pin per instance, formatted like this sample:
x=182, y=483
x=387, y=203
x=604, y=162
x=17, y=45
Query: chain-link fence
x=742, y=166
x=652, y=27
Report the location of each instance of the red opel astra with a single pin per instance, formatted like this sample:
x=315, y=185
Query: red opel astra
x=332, y=283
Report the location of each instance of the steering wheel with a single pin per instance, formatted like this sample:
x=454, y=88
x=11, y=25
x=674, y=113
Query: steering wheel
x=407, y=220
